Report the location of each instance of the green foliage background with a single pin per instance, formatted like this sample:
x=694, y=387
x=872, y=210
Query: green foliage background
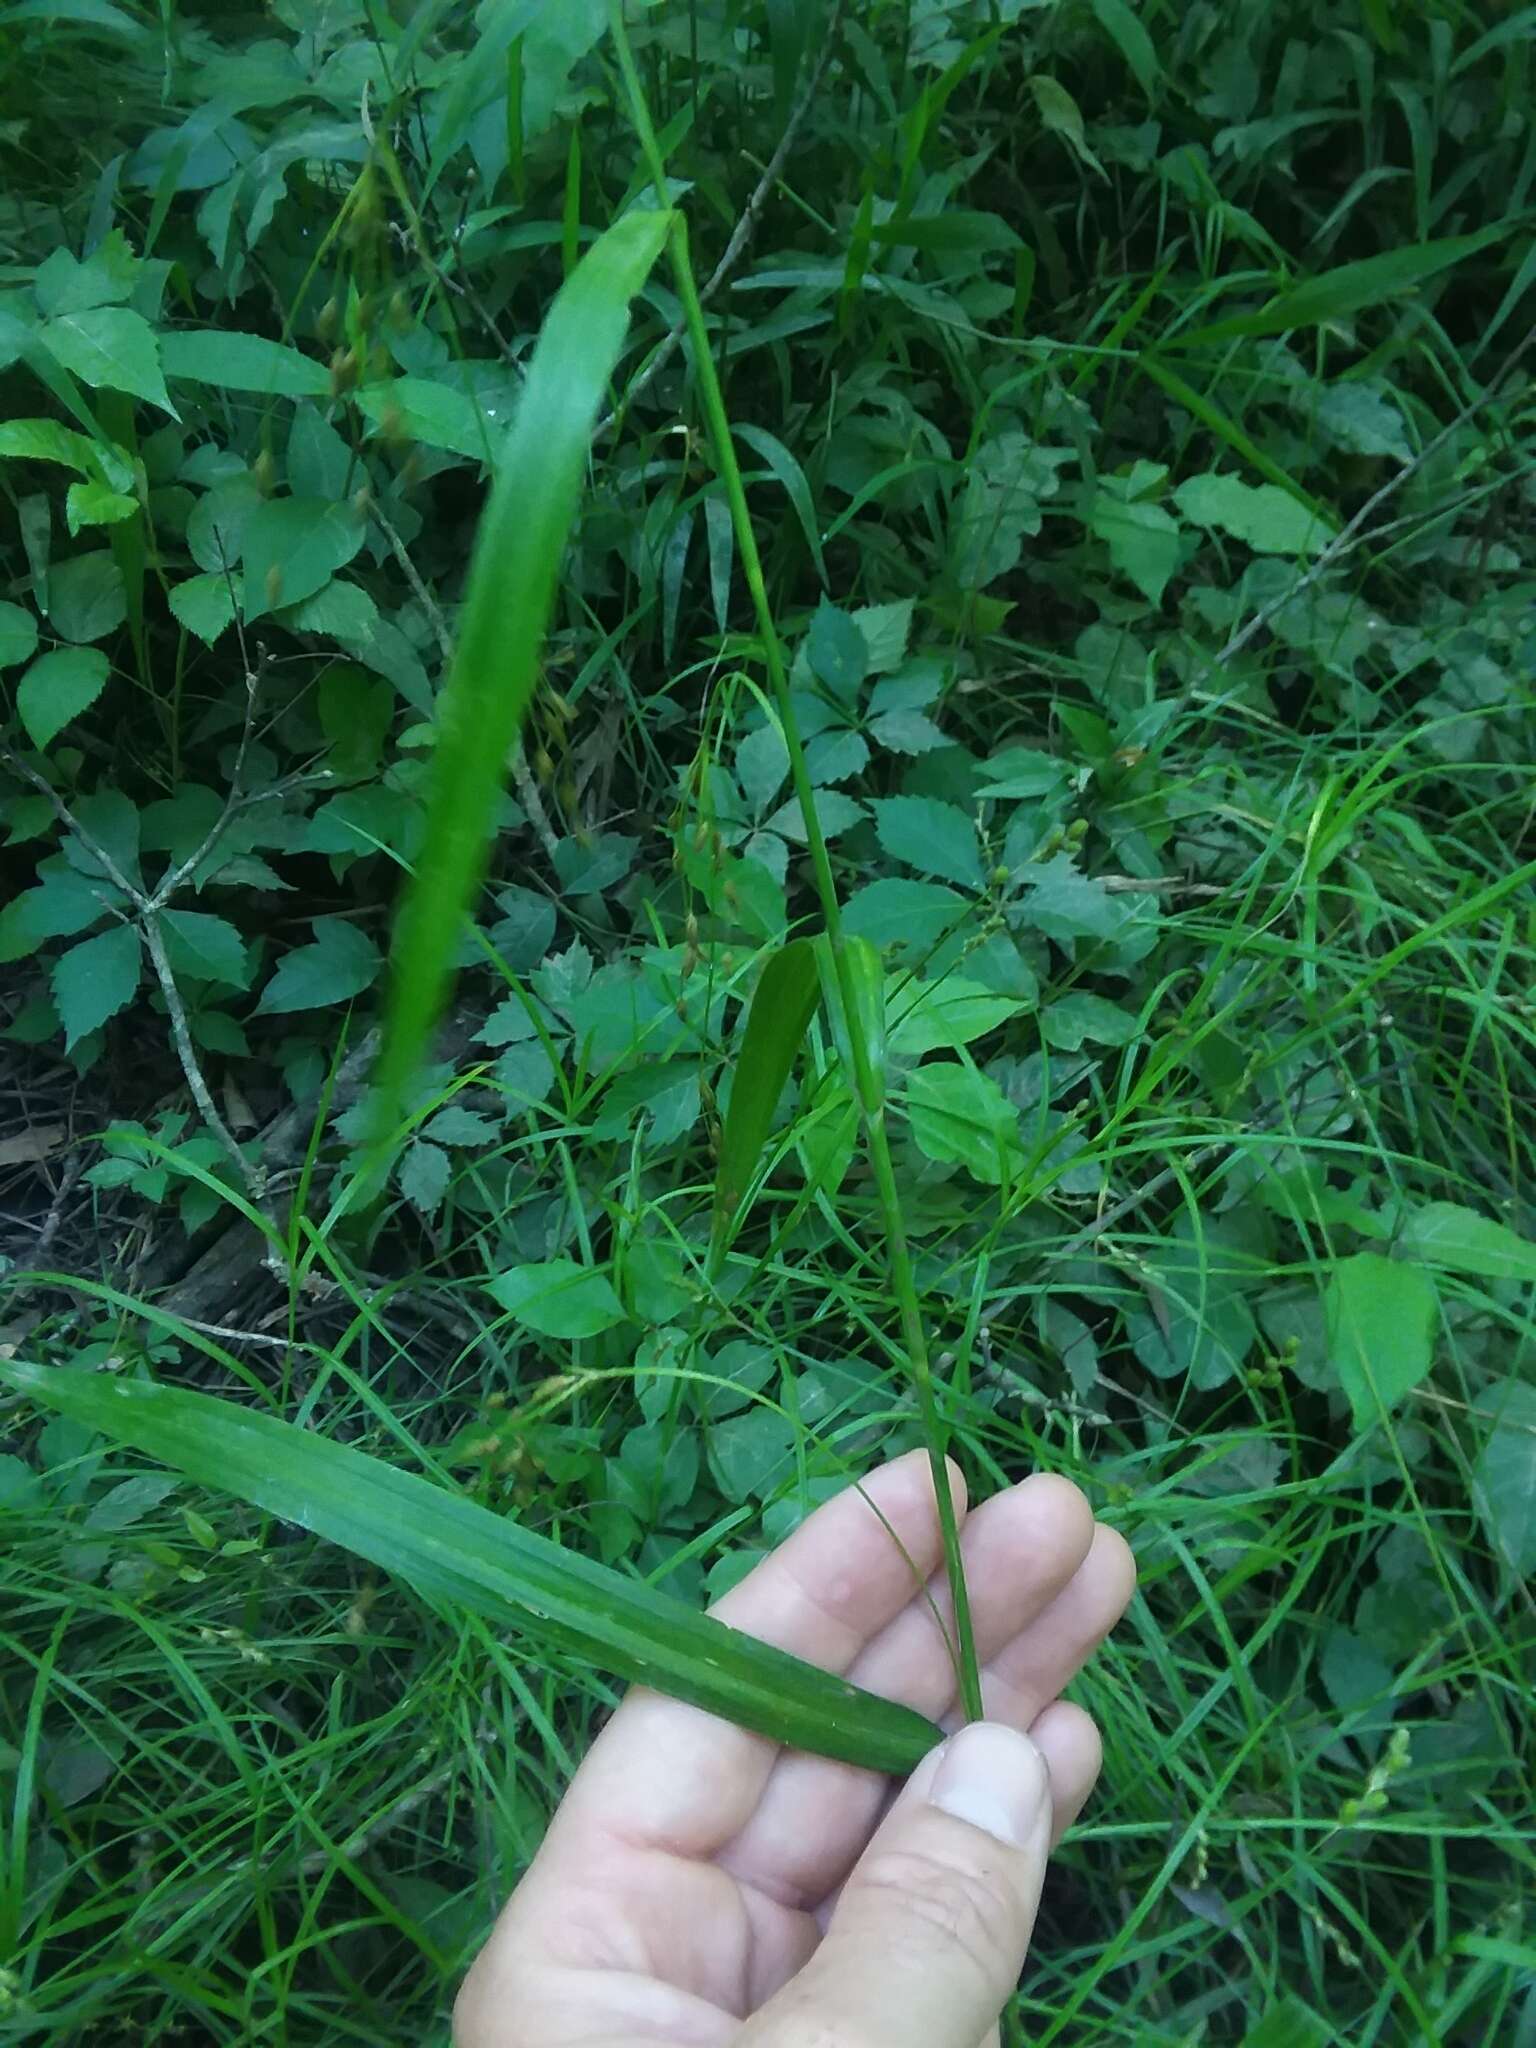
x=1137, y=428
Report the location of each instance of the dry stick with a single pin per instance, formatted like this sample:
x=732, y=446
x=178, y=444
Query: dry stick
x=527, y=789
x=1352, y=536
x=744, y=229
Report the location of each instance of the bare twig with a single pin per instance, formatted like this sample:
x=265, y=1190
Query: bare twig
x=745, y=228
x=1352, y=535
x=527, y=789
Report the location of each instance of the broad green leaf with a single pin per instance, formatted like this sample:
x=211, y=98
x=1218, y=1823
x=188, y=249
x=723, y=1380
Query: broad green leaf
x=18, y=635
x=1268, y=519
x=95, y=504
x=781, y=1008
x=905, y=915
x=1445, y=1234
x=762, y=764
x=437, y=415
x=425, y=1172
x=929, y=1015
x=1143, y=542
x=1504, y=1477
x=46, y=441
x=96, y=979
x=1290, y=2024
x=291, y=547
x=517, y=557
x=956, y=231
x=1074, y=1020
x=340, y=963
x=885, y=629
x=959, y=1116
x=1126, y=30
x=934, y=837
x=112, y=346
x=58, y=687
x=454, y=1551
x=559, y=1298
x=1061, y=114
x=1381, y=1321
x=242, y=362
x=999, y=509
x=1361, y=420
x=208, y=947
x=751, y=1454
x=1335, y=294
x=907, y=732
x=204, y=604
x=86, y=600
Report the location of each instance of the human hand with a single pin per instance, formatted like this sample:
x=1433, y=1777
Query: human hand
x=699, y=1886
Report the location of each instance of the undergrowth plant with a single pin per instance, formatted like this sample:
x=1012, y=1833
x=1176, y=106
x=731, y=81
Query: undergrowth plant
x=735, y=736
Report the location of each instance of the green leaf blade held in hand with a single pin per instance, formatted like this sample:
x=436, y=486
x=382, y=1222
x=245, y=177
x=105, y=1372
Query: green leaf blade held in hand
x=511, y=588
x=782, y=1004
x=451, y=1549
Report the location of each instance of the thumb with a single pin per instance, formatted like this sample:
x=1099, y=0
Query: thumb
x=930, y=1933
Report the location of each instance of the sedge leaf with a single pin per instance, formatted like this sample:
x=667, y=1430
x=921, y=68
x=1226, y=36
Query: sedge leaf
x=781, y=1009
x=450, y=1549
x=511, y=587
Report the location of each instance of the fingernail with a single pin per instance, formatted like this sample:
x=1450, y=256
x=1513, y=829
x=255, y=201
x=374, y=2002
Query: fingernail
x=996, y=1779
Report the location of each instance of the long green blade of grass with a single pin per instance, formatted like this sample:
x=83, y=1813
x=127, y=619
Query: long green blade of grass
x=518, y=550
x=782, y=1004
x=453, y=1550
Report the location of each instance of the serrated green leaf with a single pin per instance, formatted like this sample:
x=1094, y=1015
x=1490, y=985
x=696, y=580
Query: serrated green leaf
x=86, y=600
x=96, y=979
x=1143, y=541
x=929, y=1015
x=1361, y=420
x=934, y=837
x=18, y=635
x=425, y=1171
x=291, y=547
x=96, y=504
x=340, y=963
x=762, y=764
x=1381, y=1321
x=961, y=1117
x=777, y=1018
x=1445, y=1234
x=437, y=415
x=204, y=946
x=58, y=687
x=558, y=1298
x=455, y=1551
x=46, y=441
x=204, y=604
x=112, y=346
x=241, y=362
x=1263, y=516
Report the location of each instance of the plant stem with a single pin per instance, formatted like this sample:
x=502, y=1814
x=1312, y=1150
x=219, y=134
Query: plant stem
x=865, y=1083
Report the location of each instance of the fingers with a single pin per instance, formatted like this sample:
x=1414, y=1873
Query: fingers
x=1026, y=1675
x=671, y=1776
x=1021, y=1550
x=931, y=1931
x=1046, y=1585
